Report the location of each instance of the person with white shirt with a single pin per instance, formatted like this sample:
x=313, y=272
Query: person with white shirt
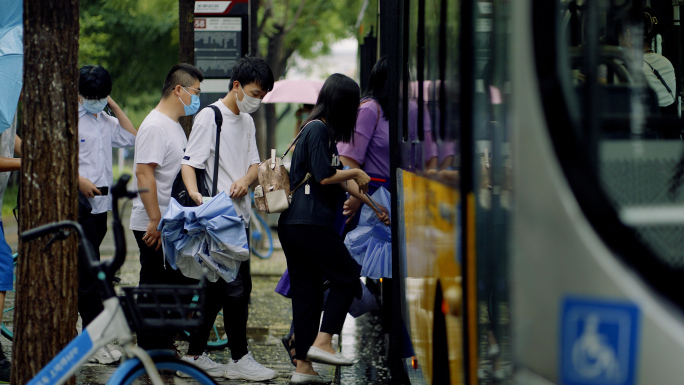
x=158, y=153
x=251, y=80
x=98, y=133
x=658, y=70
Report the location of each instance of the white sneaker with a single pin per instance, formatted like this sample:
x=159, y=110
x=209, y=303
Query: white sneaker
x=205, y=363
x=113, y=351
x=102, y=356
x=246, y=368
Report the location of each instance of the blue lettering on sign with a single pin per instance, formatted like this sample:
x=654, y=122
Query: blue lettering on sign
x=599, y=341
x=64, y=361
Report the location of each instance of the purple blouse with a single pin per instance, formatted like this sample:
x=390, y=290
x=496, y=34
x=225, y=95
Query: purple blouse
x=370, y=147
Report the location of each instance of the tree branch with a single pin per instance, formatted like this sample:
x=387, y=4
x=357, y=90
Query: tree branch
x=298, y=14
x=286, y=13
x=267, y=14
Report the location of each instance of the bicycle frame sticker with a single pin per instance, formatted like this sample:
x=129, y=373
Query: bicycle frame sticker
x=65, y=363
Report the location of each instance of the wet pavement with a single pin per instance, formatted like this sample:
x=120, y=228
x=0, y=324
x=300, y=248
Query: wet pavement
x=269, y=320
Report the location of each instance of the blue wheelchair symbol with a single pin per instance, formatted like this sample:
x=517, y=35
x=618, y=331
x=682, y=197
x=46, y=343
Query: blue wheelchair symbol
x=598, y=342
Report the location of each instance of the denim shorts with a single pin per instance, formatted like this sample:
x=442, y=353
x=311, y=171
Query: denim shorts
x=6, y=263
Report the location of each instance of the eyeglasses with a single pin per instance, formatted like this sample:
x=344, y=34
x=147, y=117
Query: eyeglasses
x=199, y=91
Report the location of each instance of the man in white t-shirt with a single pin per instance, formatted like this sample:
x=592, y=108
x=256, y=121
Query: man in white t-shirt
x=98, y=133
x=158, y=153
x=251, y=80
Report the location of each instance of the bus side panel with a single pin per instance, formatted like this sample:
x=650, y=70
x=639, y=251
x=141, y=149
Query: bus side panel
x=430, y=249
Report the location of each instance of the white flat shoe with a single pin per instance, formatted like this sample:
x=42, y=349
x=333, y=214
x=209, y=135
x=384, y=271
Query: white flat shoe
x=301, y=378
x=321, y=356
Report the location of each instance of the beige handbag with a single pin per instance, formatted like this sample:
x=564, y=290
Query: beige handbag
x=273, y=194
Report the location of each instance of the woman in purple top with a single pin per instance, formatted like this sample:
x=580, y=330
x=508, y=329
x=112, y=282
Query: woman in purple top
x=370, y=148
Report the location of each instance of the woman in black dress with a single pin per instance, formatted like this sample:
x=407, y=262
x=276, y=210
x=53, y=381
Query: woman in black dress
x=312, y=247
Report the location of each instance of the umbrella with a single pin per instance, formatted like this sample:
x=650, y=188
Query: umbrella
x=294, y=91
x=211, y=235
x=11, y=60
x=370, y=243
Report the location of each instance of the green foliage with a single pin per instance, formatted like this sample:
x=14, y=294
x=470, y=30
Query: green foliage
x=309, y=31
x=10, y=199
x=137, y=42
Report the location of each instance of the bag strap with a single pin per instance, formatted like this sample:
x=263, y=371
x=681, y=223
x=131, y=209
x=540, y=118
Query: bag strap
x=307, y=177
x=297, y=138
x=657, y=74
x=218, y=118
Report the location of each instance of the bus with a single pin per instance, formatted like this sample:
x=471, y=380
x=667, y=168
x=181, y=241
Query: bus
x=537, y=213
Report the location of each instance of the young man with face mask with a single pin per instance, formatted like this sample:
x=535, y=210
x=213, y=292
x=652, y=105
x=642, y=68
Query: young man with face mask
x=251, y=80
x=158, y=152
x=98, y=133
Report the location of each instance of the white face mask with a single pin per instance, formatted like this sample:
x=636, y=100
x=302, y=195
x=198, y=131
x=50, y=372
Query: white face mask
x=248, y=104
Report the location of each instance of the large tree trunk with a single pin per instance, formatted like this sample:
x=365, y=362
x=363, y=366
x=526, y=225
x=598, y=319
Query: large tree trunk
x=186, y=37
x=47, y=280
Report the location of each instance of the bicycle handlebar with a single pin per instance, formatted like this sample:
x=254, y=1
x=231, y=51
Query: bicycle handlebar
x=50, y=228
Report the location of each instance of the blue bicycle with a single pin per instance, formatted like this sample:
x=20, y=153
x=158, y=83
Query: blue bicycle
x=146, y=307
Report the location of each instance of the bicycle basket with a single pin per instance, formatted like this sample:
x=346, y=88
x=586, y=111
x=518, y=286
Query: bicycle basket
x=163, y=307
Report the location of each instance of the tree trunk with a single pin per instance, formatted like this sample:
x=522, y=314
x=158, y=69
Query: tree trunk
x=254, y=28
x=258, y=116
x=274, y=60
x=186, y=37
x=47, y=280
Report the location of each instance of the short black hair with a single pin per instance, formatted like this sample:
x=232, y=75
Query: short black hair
x=377, y=88
x=181, y=74
x=338, y=104
x=94, y=82
x=252, y=69
x=652, y=24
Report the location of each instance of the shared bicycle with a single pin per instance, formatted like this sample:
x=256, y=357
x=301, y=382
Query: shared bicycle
x=261, y=244
x=146, y=307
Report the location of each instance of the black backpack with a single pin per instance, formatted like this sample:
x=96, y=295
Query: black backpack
x=178, y=190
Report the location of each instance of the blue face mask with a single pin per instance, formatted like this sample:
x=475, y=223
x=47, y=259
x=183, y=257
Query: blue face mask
x=94, y=106
x=194, y=103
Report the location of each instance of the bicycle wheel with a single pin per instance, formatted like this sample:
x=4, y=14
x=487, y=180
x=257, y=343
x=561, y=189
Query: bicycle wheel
x=262, y=239
x=7, y=324
x=170, y=367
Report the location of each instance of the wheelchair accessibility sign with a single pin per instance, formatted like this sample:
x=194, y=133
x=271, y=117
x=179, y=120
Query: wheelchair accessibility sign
x=599, y=342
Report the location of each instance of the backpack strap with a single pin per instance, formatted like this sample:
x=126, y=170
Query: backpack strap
x=218, y=118
x=297, y=138
x=307, y=177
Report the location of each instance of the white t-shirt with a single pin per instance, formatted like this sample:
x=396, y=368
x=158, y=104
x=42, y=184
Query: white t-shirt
x=96, y=137
x=666, y=70
x=238, y=150
x=160, y=140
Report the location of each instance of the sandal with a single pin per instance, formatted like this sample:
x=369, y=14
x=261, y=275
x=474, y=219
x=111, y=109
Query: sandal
x=288, y=343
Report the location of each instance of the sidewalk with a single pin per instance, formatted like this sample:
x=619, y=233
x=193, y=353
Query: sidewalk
x=269, y=313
